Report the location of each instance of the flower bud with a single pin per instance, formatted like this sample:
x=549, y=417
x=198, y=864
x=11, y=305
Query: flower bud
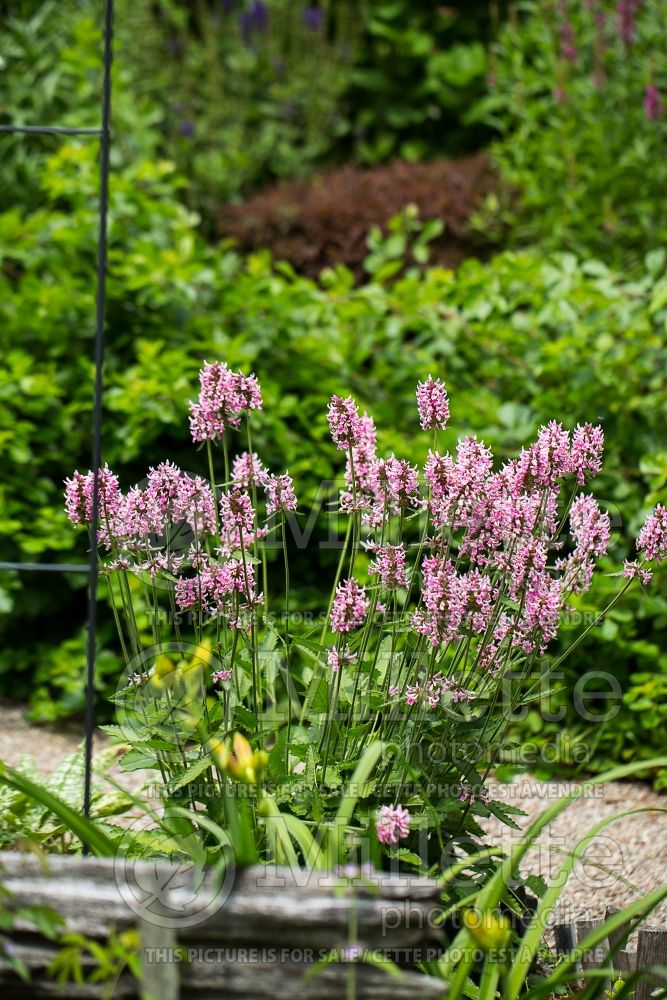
x=488, y=930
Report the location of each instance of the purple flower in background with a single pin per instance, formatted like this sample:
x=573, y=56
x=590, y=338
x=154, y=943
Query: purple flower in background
x=312, y=18
x=568, y=49
x=253, y=21
x=228, y=5
x=626, y=11
x=187, y=129
x=653, y=103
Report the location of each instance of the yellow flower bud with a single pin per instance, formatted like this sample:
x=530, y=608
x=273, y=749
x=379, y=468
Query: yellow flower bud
x=242, y=751
x=220, y=752
x=260, y=763
x=488, y=930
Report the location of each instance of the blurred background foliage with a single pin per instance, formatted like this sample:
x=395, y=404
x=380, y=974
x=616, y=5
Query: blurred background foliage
x=577, y=99
x=217, y=99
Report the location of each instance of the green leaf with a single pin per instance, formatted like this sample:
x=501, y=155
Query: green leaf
x=87, y=831
x=190, y=774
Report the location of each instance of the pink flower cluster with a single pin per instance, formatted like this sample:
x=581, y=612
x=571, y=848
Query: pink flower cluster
x=237, y=513
x=79, y=500
x=337, y=658
x=349, y=606
x=345, y=423
x=489, y=576
x=226, y=588
x=248, y=471
x=223, y=396
x=280, y=492
x=591, y=531
x=652, y=543
x=221, y=676
x=392, y=824
x=389, y=565
x=169, y=500
x=160, y=526
x=456, y=484
x=505, y=523
x=652, y=539
x=553, y=457
x=443, y=599
x=433, y=404
x=432, y=692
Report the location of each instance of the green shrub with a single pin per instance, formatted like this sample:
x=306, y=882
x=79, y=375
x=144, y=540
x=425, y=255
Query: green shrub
x=51, y=74
x=577, y=100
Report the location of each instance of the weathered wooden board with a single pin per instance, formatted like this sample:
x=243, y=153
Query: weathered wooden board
x=269, y=910
x=651, y=952
x=263, y=905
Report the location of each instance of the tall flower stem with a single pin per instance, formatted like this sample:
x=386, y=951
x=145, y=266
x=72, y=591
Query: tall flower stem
x=331, y=711
x=287, y=647
x=256, y=693
x=262, y=547
x=211, y=474
x=317, y=670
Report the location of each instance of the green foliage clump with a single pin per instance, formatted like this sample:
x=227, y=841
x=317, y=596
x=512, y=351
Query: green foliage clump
x=578, y=101
x=420, y=72
x=521, y=340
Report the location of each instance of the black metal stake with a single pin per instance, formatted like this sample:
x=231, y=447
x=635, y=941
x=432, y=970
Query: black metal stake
x=100, y=306
x=104, y=135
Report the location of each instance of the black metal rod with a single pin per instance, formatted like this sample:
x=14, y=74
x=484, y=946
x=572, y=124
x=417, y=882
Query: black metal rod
x=49, y=130
x=100, y=306
x=46, y=567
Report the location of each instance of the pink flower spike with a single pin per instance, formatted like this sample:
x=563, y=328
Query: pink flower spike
x=389, y=565
x=236, y=511
x=349, y=607
x=433, y=404
x=281, y=494
x=392, y=824
x=345, y=424
x=652, y=539
x=633, y=571
x=402, y=482
x=586, y=453
x=223, y=396
x=248, y=471
x=79, y=502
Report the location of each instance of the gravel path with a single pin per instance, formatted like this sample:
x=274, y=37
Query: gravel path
x=628, y=858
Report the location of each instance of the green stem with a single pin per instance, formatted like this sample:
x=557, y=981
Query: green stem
x=287, y=648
